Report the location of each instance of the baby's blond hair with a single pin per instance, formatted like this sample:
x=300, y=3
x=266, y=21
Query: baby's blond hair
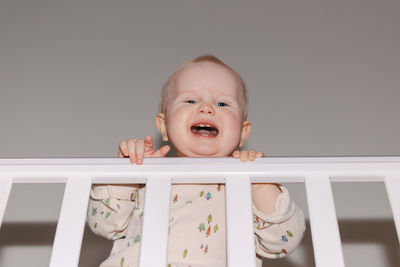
x=204, y=58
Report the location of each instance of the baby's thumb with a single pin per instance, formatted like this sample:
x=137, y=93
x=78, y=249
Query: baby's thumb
x=162, y=152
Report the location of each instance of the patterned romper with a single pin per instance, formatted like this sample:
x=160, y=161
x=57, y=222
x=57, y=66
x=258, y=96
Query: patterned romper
x=197, y=233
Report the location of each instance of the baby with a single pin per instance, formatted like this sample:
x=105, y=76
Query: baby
x=203, y=114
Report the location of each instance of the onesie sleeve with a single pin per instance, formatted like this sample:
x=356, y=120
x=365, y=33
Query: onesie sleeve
x=281, y=231
x=110, y=209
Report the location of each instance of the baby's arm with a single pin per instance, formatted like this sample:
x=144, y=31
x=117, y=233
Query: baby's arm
x=279, y=232
x=111, y=208
x=278, y=224
x=264, y=195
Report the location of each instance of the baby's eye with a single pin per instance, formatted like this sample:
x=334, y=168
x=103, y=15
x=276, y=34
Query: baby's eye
x=222, y=104
x=190, y=101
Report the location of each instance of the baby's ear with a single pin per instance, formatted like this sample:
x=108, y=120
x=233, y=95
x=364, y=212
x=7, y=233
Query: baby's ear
x=246, y=129
x=162, y=126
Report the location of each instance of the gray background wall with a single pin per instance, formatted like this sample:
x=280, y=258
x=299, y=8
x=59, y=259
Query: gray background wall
x=76, y=77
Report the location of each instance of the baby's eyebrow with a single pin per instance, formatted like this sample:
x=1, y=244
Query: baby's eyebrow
x=193, y=93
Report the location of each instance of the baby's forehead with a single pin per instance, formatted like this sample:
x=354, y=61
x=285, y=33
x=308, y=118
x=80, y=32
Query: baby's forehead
x=204, y=67
x=206, y=74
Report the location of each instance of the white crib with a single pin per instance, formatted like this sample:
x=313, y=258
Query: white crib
x=158, y=174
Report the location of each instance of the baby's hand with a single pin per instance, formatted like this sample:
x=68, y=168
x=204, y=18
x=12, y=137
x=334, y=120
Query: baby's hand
x=137, y=149
x=245, y=155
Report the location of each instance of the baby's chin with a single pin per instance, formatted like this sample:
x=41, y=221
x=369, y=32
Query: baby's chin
x=204, y=152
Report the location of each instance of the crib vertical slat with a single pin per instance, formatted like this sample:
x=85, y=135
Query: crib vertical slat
x=323, y=221
x=71, y=223
x=392, y=184
x=153, y=251
x=239, y=222
x=5, y=188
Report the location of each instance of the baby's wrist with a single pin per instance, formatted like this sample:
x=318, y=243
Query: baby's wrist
x=259, y=186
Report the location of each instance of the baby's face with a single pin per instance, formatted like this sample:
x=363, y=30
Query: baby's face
x=204, y=115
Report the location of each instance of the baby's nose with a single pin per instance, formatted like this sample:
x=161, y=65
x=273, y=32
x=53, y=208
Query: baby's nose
x=206, y=108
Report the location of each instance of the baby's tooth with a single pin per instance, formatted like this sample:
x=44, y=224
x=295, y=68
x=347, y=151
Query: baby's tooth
x=201, y=125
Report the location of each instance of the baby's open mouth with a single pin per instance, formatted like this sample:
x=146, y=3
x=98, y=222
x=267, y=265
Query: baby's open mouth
x=204, y=130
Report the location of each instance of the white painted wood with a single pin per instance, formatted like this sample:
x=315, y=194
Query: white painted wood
x=171, y=161
x=71, y=223
x=239, y=222
x=155, y=222
x=392, y=184
x=361, y=169
x=323, y=221
x=5, y=189
x=326, y=238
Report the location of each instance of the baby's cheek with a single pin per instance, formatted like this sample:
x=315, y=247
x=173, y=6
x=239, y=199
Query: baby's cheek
x=233, y=128
x=233, y=123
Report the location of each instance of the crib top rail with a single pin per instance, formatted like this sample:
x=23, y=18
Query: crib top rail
x=317, y=173
x=174, y=160
x=202, y=170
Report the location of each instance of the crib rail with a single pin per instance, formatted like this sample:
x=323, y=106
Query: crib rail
x=158, y=174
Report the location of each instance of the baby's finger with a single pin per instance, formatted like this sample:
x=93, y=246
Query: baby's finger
x=236, y=154
x=120, y=155
x=244, y=155
x=123, y=148
x=148, y=144
x=252, y=155
x=132, y=150
x=139, y=151
x=162, y=152
x=259, y=154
